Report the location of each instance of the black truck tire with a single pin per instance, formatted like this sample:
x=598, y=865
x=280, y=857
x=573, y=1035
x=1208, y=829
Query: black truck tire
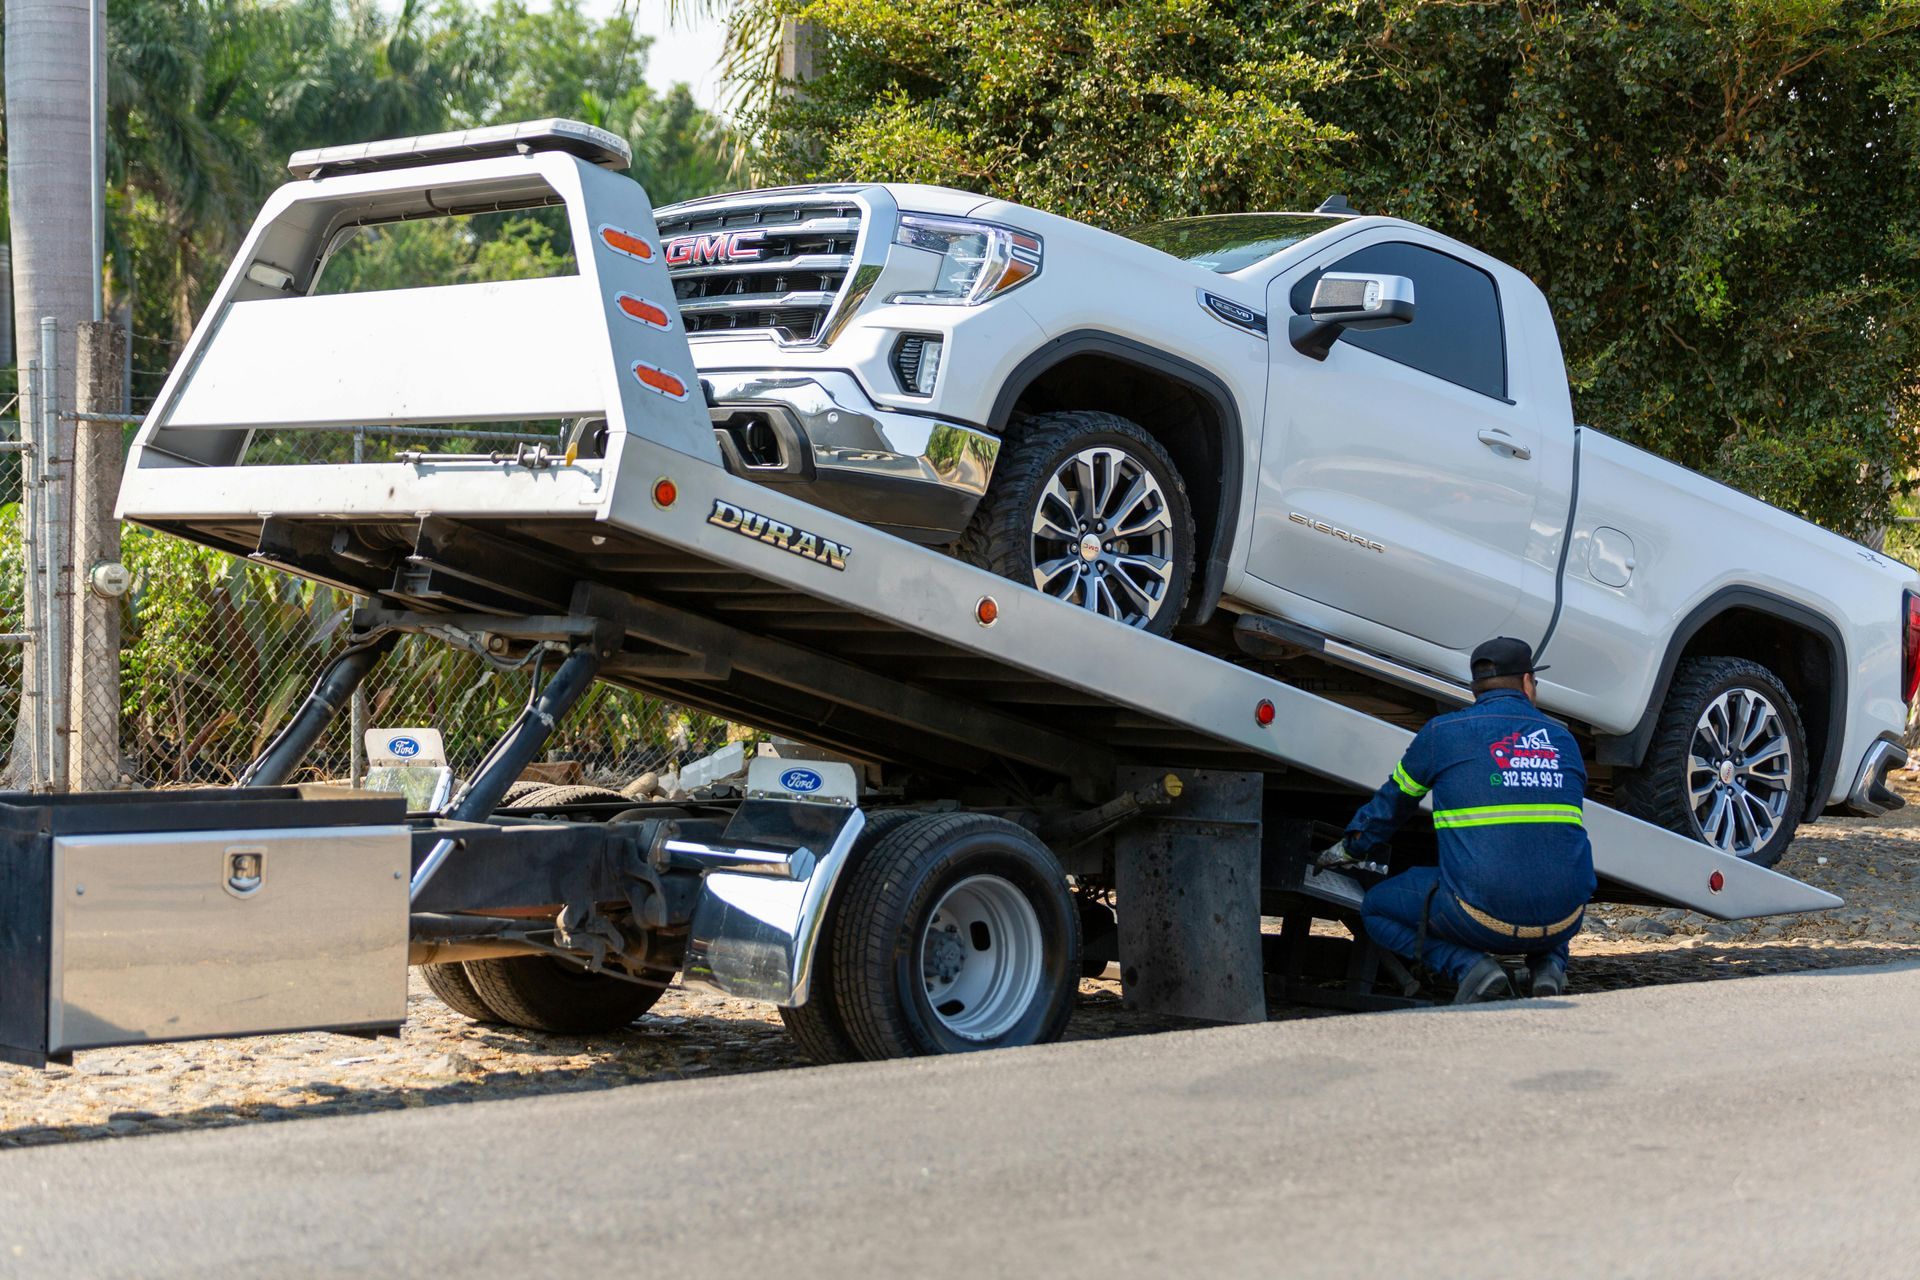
x=1687, y=773
x=519, y=791
x=816, y=1026
x=543, y=993
x=557, y=795
x=451, y=986
x=1113, y=576
x=930, y=899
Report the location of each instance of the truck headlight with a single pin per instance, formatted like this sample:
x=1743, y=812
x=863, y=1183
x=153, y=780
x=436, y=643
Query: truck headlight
x=978, y=260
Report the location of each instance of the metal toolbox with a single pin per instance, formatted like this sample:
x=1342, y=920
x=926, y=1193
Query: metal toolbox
x=137, y=917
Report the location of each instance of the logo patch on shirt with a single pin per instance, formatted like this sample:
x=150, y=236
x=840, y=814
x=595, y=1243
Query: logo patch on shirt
x=1526, y=759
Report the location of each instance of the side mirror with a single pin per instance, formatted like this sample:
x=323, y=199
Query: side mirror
x=1342, y=301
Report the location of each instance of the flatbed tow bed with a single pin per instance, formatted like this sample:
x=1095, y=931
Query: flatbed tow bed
x=1186, y=784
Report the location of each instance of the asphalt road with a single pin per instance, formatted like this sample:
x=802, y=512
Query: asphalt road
x=1768, y=1127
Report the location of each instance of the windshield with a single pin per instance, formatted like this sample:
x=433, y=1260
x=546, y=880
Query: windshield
x=1231, y=241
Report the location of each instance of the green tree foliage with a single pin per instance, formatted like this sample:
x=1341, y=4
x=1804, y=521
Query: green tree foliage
x=1114, y=112
x=1721, y=197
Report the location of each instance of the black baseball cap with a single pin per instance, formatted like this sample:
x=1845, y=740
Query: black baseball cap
x=1503, y=656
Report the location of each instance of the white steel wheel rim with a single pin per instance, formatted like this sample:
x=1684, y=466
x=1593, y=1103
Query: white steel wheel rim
x=982, y=957
x=1103, y=536
x=1739, y=772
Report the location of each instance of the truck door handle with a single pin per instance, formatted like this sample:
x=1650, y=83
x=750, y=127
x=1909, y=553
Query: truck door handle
x=1502, y=443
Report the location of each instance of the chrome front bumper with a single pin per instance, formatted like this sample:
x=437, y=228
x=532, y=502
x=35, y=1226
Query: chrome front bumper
x=910, y=474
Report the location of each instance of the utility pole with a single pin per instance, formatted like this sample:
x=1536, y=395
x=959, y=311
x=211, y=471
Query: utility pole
x=799, y=44
x=53, y=118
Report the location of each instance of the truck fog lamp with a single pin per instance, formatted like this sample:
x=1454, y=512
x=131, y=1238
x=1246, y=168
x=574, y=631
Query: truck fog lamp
x=929, y=370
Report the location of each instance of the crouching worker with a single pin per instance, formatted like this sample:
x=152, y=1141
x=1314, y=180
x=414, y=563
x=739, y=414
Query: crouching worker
x=1515, y=870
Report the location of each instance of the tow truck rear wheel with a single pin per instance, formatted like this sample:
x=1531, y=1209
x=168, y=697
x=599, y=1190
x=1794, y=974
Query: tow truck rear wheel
x=450, y=984
x=956, y=932
x=1728, y=761
x=544, y=993
x=1088, y=507
x=816, y=1026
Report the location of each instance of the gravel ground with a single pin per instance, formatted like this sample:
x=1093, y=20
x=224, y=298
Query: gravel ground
x=442, y=1058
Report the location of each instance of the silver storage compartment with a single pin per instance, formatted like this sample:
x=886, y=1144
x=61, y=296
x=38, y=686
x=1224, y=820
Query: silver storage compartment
x=183, y=936
x=129, y=918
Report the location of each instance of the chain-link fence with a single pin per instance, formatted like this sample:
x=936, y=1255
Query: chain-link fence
x=215, y=652
x=13, y=588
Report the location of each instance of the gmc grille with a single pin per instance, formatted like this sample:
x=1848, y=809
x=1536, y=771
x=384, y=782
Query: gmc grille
x=805, y=254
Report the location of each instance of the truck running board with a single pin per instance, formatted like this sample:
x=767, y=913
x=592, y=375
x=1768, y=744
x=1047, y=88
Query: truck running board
x=1262, y=637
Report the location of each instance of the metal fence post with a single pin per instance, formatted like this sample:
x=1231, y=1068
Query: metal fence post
x=54, y=548
x=30, y=741
x=357, y=710
x=94, y=762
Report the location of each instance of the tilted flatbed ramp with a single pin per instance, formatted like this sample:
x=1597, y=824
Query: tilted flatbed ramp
x=736, y=598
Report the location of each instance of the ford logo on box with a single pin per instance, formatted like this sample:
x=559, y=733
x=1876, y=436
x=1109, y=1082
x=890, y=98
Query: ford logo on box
x=801, y=780
x=405, y=748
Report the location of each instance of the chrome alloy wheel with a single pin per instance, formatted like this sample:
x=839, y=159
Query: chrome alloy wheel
x=1103, y=536
x=981, y=957
x=1740, y=772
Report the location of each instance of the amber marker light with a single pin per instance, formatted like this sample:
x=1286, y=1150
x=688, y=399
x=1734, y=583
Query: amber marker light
x=1017, y=271
x=626, y=242
x=665, y=493
x=987, y=612
x=656, y=379
x=647, y=313
x=1263, y=713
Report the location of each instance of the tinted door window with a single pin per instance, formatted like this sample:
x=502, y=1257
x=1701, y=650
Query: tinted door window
x=1455, y=333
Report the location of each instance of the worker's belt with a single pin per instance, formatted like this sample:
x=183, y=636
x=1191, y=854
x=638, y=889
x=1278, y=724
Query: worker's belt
x=1518, y=930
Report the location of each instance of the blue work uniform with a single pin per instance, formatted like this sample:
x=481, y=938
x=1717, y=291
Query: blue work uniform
x=1516, y=871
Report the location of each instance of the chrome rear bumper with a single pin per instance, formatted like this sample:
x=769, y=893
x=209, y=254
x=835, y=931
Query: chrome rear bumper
x=914, y=475
x=1871, y=796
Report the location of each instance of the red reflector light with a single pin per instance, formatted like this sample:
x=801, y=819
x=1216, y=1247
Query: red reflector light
x=1716, y=882
x=1263, y=713
x=665, y=492
x=1910, y=647
x=987, y=612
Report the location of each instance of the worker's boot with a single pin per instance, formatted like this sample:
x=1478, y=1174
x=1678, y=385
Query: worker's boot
x=1549, y=975
x=1485, y=981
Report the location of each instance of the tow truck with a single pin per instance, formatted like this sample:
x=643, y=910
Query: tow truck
x=981, y=815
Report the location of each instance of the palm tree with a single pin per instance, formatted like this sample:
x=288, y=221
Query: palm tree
x=49, y=189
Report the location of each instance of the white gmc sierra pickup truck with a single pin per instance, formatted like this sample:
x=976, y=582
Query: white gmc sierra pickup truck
x=1350, y=424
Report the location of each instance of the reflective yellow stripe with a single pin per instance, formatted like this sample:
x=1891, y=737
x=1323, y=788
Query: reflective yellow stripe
x=1406, y=782
x=1493, y=815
